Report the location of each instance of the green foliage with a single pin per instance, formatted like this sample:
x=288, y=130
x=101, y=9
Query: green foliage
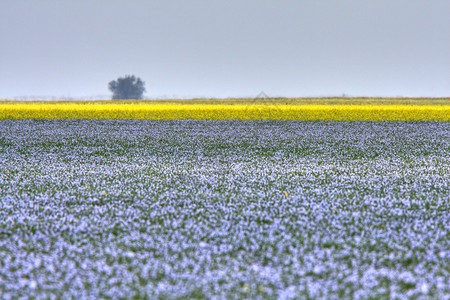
x=128, y=87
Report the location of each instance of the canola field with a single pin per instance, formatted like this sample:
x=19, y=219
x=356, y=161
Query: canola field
x=237, y=109
x=224, y=209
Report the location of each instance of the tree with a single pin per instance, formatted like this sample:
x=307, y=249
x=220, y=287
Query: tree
x=128, y=87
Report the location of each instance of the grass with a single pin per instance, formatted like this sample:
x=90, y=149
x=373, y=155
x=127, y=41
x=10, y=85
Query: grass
x=225, y=209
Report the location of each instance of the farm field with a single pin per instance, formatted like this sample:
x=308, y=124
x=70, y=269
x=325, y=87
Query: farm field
x=314, y=109
x=224, y=209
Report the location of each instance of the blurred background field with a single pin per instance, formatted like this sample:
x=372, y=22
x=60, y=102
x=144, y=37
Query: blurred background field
x=306, y=109
x=253, y=101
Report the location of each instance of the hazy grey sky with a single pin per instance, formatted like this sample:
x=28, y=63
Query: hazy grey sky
x=224, y=48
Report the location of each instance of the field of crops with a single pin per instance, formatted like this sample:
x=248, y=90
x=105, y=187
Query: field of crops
x=323, y=109
x=224, y=209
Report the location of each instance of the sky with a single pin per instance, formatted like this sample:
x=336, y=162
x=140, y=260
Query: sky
x=226, y=48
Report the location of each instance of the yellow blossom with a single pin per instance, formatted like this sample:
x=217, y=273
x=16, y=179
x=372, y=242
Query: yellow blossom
x=170, y=111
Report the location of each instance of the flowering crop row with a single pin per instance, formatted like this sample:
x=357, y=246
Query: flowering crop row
x=146, y=111
x=189, y=209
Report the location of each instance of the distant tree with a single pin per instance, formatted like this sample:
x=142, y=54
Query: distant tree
x=128, y=87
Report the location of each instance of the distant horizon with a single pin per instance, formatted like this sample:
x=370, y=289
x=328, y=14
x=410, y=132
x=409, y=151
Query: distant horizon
x=108, y=97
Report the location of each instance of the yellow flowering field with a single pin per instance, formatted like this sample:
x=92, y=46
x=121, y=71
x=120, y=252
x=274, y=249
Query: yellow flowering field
x=223, y=110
